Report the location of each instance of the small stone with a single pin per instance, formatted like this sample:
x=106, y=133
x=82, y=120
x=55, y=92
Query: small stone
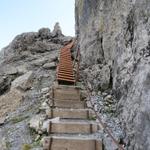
x=44, y=106
x=47, y=95
x=84, y=94
x=93, y=93
x=36, y=122
x=104, y=94
x=51, y=65
x=37, y=138
x=40, y=132
x=45, y=125
x=11, y=71
x=89, y=104
x=96, y=108
x=45, y=90
x=109, y=97
x=99, y=93
x=22, y=69
x=39, y=62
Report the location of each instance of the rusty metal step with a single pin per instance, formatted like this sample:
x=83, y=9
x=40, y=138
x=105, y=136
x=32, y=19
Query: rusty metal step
x=65, y=62
x=65, y=80
x=66, y=74
x=65, y=70
x=65, y=67
x=65, y=77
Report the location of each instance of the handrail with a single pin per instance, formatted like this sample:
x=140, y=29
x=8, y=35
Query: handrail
x=104, y=125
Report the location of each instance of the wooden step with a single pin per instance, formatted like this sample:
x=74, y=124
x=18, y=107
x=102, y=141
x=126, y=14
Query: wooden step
x=70, y=113
x=73, y=127
x=67, y=94
x=57, y=142
x=69, y=104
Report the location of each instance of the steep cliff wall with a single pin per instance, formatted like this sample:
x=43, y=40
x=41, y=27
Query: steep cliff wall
x=114, y=38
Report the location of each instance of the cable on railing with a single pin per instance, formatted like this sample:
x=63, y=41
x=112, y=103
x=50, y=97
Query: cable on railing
x=104, y=125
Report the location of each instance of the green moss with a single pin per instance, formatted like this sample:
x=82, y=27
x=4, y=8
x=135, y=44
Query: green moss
x=26, y=147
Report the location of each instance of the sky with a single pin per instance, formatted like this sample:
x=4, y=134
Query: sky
x=18, y=16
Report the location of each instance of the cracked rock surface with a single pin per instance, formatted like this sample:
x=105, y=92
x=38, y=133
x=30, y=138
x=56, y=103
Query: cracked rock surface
x=117, y=34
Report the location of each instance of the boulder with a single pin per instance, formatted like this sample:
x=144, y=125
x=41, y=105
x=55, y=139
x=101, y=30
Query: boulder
x=10, y=70
x=57, y=30
x=36, y=122
x=39, y=62
x=23, y=82
x=22, y=69
x=44, y=33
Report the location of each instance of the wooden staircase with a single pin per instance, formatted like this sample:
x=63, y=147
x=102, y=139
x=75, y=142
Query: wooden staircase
x=74, y=129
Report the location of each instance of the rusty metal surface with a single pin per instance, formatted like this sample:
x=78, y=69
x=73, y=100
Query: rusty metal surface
x=65, y=73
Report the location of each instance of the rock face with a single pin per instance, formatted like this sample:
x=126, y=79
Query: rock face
x=117, y=34
x=27, y=71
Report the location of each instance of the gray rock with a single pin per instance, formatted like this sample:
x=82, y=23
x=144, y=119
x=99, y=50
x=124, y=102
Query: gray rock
x=108, y=97
x=23, y=82
x=44, y=33
x=45, y=90
x=57, y=30
x=99, y=77
x=10, y=70
x=66, y=39
x=22, y=69
x=36, y=122
x=39, y=62
x=51, y=65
